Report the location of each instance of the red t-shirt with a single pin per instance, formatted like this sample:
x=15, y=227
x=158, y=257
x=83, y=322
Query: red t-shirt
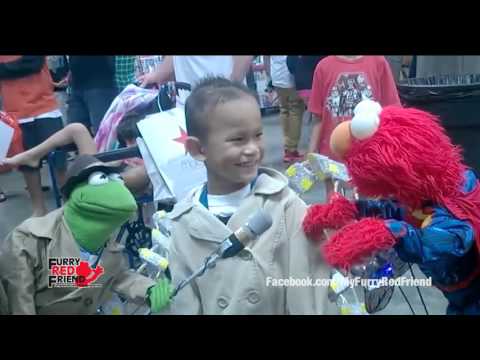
x=340, y=84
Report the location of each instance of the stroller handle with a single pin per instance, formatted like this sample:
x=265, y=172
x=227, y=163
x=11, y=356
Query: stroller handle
x=120, y=154
x=183, y=86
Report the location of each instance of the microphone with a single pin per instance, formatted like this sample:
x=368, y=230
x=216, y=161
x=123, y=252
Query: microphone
x=255, y=226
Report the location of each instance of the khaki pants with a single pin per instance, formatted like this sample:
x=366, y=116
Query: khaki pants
x=291, y=114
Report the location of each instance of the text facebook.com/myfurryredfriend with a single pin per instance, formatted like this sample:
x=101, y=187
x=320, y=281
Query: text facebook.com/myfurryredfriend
x=354, y=281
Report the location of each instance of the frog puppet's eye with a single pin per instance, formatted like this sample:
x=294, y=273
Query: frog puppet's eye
x=116, y=177
x=98, y=178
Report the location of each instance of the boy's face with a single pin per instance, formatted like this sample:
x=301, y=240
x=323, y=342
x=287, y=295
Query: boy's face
x=233, y=145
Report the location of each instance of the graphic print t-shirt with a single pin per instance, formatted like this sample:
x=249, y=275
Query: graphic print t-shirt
x=340, y=84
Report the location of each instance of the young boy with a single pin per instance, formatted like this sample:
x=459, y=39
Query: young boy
x=339, y=84
x=225, y=131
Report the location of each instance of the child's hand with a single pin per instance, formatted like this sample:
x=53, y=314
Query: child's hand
x=148, y=80
x=61, y=84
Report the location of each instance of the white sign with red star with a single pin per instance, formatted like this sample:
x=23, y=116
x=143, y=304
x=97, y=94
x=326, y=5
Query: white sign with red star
x=164, y=135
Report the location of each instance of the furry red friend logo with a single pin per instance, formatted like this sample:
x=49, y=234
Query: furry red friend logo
x=72, y=272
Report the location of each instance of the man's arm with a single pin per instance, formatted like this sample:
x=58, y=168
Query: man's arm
x=24, y=66
x=163, y=73
x=316, y=130
x=315, y=106
x=241, y=64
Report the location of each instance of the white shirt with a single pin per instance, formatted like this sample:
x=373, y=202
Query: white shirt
x=190, y=69
x=226, y=205
x=280, y=75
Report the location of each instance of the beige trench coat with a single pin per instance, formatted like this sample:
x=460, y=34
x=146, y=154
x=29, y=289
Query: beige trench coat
x=3, y=301
x=24, y=270
x=239, y=285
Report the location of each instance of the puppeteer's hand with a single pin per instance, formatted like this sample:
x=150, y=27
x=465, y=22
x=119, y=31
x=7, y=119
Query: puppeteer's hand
x=384, y=209
x=358, y=241
x=159, y=295
x=337, y=213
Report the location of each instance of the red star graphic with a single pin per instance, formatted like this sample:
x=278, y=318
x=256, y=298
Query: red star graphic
x=183, y=138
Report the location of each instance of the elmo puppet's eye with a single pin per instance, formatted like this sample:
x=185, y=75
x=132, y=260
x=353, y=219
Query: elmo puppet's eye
x=369, y=106
x=98, y=178
x=116, y=177
x=366, y=119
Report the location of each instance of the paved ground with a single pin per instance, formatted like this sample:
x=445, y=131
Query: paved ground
x=17, y=208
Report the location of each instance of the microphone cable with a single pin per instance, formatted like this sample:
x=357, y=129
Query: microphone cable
x=406, y=299
x=418, y=290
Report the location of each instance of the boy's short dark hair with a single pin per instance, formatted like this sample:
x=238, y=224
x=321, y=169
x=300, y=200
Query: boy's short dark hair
x=206, y=95
x=127, y=128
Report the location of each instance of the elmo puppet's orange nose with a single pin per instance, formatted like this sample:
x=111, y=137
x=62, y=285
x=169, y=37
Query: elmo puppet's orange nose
x=341, y=139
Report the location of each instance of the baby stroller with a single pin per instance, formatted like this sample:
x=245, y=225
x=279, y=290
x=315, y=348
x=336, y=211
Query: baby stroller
x=138, y=235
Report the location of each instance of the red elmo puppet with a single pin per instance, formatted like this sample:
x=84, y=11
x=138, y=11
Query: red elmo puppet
x=417, y=196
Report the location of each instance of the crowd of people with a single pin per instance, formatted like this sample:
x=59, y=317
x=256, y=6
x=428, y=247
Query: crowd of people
x=224, y=127
x=92, y=82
